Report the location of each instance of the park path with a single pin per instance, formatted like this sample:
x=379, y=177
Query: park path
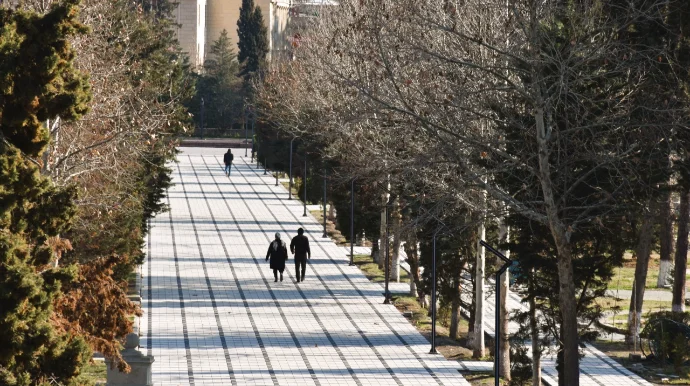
x=214, y=316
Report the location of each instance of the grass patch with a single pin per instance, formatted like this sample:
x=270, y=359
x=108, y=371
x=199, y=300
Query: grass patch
x=93, y=373
x=372, y=271
x=481, y=379
x=623, y=277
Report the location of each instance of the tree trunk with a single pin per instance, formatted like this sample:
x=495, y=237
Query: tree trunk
x=561, y=236
x=375, y=250
x=504, y=237
x=413, y=260
x=478, y=346
x=678, y=303
x=536, y=350
x=331, y=215
x=455, y=307
x=644, y=243
x=665, y=240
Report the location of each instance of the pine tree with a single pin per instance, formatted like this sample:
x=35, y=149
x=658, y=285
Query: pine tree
x=252, y=39
x=219, y=86
x=37, y=82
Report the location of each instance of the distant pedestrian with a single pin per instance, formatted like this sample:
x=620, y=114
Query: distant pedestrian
x=277, y=252
x=227, y=158
x=300, y=248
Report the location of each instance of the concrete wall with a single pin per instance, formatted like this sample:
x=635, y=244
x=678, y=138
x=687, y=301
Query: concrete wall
x=191, y=18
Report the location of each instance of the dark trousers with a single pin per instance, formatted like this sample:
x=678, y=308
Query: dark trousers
x=300, y=262
x=275, y=274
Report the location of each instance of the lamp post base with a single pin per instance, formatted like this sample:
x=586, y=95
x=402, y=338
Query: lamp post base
x=433, y=351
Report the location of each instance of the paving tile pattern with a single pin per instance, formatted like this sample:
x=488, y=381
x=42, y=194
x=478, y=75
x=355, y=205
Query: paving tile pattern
x=213, y=314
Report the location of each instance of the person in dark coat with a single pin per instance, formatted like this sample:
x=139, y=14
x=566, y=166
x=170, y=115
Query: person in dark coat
x=227, y=158
x=300, y=248
x=277, y=252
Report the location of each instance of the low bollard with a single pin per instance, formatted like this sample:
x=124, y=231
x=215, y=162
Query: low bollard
x=140, y=364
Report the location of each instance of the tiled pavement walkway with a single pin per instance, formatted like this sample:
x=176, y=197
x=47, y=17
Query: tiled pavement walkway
x=214, y=316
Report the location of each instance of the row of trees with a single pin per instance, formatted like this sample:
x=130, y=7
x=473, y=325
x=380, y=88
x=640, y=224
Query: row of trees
x=225, y=85
x=555, y=129
x=91, y=101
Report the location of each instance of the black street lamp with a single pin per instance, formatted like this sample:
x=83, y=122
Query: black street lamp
x=324, y=202
x=304, y=182
x=246, y=138
x=253, y=115
x=352, y=221
x=433, y=295
x=202, y=118
x=387, y=294
x=290, y=183
x=497, y=329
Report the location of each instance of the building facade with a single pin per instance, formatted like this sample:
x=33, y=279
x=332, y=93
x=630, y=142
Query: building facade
x=200, y=23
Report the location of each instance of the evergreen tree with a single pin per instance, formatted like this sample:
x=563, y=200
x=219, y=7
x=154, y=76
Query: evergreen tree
x=37, y=82
x=252, y=39
x=219, y=86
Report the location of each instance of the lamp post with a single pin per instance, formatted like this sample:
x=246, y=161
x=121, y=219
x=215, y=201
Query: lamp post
x=290, y=183
x=202, y=118
x=325, y=234
x=497, y=329
x=265, y=164
x=433, y=295
x=246, y=138
x=352, y=221
x=387, y=294
x=304, y=182
x=253, y=115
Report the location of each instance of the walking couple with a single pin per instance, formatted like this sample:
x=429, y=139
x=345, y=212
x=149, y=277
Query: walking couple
x=277, y=253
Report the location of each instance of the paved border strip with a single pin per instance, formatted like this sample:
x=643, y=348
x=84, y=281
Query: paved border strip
x=185, y=333
x=617, y=366
x=149, y=292
x=212, y=295
x=310, y=369
x=400, y=338
x=309, y=305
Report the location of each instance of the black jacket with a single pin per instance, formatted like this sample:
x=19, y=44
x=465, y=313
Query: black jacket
x=300, y=246
x=277, y=252
x=227, y=158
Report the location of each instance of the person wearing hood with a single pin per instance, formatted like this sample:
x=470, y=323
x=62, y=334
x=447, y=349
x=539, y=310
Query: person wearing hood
x=277, y=253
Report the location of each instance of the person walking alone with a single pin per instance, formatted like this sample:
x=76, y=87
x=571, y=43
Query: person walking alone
x=227, y=158
x=300, y=248
x=277, y=252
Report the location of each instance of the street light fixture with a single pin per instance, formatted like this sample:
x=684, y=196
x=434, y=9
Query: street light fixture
x=246, y=138
x=497, y=329
x=325, y=180
x=202, y=118
x=304, y=182
x=290, y=183
x=352, y=221
x=387, y=294
x=433, y=295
